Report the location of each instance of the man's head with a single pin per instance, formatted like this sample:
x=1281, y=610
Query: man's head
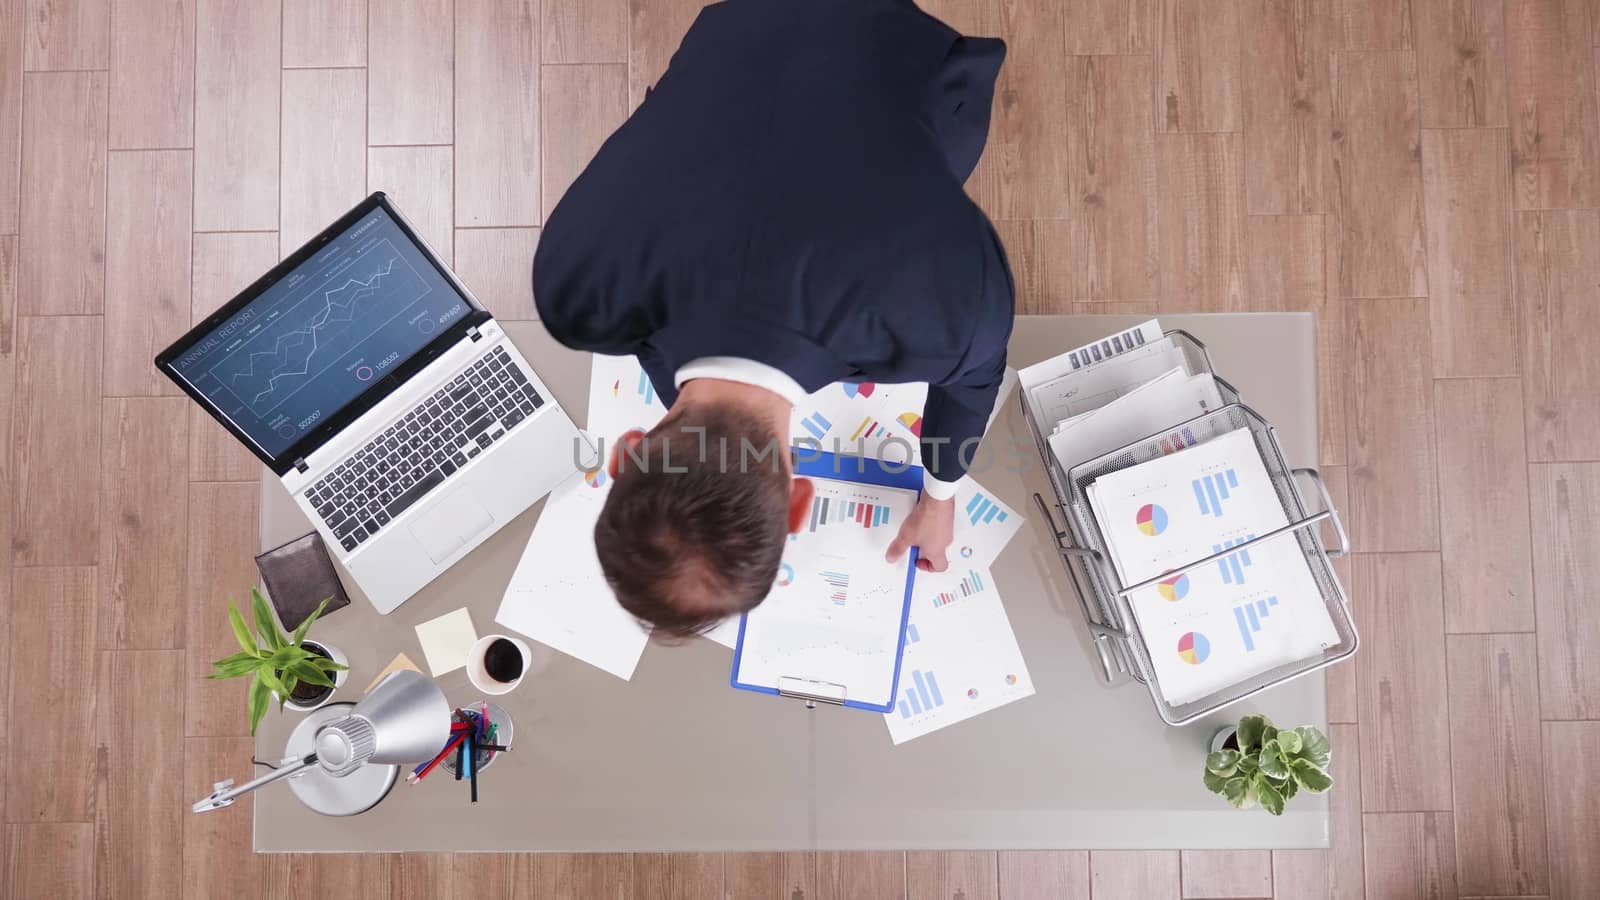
x=700, y=508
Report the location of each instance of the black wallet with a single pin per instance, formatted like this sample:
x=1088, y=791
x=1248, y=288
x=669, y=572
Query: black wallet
x=298, y=576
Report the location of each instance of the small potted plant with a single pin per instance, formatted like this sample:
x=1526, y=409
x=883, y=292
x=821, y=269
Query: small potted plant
x=1257, y=764
x=301, y=673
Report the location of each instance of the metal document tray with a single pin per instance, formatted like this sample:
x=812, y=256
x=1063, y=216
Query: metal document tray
x=1102, y=596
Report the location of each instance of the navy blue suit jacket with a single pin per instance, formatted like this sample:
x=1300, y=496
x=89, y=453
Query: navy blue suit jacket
x=791, y=192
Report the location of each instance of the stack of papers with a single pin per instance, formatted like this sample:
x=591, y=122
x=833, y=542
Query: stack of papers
x=1248, y=613
x=1132, y=359
x=1174, y=396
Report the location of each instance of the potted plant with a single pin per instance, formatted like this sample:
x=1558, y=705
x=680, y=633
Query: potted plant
x=1257, y=764
x=301, y=673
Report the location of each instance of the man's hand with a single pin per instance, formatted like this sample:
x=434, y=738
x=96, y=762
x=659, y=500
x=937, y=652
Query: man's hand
x=931, y=527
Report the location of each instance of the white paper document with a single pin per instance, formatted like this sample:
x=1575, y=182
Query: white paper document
x=621, y=398
x=961, y=657
x=1171, y=398
x=863, y=418
x=984, y=525
x=1094, y=387
x=1112, y=345
x=1252, y=610
x=834, y=614
x=726, y=633
x=558, y=595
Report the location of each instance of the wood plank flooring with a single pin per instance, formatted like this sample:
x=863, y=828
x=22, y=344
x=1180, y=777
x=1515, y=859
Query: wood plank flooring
x=1421, y=175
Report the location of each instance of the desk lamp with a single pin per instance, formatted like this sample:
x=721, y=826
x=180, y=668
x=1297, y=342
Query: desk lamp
x=343, y=758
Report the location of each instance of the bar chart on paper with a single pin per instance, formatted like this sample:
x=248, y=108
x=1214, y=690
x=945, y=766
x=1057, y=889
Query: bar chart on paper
x=838, y=586
x=1211, y=490
x=843, y=511
x=816, y=425
x=1233, y=565
x=970, y=584
x=1249, y=616
x=982, y=510
x=920, y=694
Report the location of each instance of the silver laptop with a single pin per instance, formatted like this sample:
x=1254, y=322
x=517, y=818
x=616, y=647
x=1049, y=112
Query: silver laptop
x=387, y=399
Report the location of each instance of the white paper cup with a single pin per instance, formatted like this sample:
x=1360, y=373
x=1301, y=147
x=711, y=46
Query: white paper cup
x=480, y=677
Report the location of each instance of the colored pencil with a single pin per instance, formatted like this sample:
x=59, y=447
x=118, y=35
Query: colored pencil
x=423, y=770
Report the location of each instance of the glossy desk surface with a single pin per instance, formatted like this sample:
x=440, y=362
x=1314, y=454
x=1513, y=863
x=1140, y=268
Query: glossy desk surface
x=676, y=760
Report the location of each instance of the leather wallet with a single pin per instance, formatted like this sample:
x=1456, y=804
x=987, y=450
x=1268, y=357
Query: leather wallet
x=298, y=576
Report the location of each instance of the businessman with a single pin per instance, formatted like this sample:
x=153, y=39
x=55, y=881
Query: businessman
x=783, y=211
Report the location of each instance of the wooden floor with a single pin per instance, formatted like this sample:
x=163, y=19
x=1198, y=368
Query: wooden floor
x=1423, y=175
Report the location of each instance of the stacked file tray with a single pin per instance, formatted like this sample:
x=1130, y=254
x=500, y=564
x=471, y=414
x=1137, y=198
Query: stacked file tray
x=1112, y=608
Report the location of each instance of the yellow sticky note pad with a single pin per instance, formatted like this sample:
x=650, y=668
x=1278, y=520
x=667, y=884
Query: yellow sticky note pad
x=447, y=641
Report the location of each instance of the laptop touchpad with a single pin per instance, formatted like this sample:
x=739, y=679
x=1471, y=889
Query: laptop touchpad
x=450, y=524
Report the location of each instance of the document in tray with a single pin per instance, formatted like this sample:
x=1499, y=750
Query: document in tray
x=961, y=657
x=1113, y=345
x=1252, y=610
x=835, y=614
x=1089, y=389
x=1171, y=398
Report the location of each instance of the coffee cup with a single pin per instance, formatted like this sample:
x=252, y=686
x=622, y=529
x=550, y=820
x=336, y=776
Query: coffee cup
x=498, y=663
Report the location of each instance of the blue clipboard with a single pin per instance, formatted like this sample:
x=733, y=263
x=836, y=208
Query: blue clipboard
x=859, y=470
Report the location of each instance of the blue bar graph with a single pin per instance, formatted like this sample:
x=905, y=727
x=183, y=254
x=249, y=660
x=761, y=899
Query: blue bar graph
x=922, y=695
x=1211, y=490
x=817, y=424
x=1233, y=565
x=983, y=510
x=1248, y=617
x=646, y=389
x=911, y=634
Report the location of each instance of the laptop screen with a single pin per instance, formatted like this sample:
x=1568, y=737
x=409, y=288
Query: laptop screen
x=323, y=333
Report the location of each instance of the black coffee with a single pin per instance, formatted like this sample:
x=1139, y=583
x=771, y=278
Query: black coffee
x=503, y=661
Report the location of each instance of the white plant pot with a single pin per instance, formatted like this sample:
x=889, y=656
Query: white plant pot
x=1221, y=736
x=335, y=654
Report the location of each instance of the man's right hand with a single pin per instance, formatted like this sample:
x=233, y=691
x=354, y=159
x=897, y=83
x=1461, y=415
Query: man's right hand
x=930, y=528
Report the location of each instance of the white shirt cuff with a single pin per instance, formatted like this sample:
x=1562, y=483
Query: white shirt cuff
x=940, y=490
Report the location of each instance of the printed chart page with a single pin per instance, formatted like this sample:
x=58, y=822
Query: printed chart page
x=961, y=656
x=1249, y=612
x=836, y=611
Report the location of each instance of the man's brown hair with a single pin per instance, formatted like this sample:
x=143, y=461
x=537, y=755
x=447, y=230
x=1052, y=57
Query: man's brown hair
x=694, y=528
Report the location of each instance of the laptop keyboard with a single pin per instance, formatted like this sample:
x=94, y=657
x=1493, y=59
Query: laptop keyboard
x=424, y=448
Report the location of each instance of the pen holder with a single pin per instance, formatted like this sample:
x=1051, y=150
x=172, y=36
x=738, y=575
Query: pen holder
x=499, y=718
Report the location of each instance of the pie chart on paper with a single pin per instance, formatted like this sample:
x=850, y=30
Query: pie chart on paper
x=1174, y=589
x=1151, y=519
x=1193, y=648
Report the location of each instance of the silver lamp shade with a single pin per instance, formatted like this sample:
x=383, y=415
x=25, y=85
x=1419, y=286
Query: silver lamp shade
x=406, y=719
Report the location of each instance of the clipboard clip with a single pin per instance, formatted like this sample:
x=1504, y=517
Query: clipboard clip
x=812, y=691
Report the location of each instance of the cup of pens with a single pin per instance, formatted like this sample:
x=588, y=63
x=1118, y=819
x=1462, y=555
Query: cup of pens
x=479, y=733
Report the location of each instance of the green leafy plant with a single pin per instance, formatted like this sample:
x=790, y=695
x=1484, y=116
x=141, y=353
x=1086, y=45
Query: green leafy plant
x=275, y=662
x=1270, y=766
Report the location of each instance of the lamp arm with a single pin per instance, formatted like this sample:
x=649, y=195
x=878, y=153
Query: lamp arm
x=224, y=793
